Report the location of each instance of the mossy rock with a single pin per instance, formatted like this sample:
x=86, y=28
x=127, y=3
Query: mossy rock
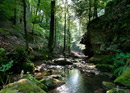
x=124, y=79
x=117, y=90
x=104, y=67
x=28, y=67
x=108, y=85
x=43, y=81
x=100, y=59
x=53, y=83
x=9, y=90
x=22, y=86
x=42, y=86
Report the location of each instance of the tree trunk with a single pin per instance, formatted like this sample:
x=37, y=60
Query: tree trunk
x=25, y=26
x=51, y=35
x=89, y=10
x=95, y=9
x=64, y=31
x=15, y=13
x=69, y=37
x=55, y=37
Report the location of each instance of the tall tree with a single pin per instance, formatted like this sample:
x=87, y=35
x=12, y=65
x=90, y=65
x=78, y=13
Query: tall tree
x=65, y=28
x=51, y=35
x=69, y=35
x=90, y=12
x=15, y=13
x=95, y=9
x=25, y=24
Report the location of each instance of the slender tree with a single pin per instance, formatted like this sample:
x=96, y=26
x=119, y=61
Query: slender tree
x=69, y=36
x=65, y=28
x=15, y=13
x=95, y=9
x=25, y=24
x=90, y=10
x=51, y=35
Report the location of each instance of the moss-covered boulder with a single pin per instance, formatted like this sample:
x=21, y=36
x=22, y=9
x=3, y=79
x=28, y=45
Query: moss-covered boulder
x=124, y=79
x=101, y=59
x=104, y=67
x=22, y=86
x=52, y=83
x=117, y=90
x=108, y=85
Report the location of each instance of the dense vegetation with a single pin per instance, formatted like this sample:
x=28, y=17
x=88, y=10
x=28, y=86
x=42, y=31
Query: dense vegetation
x=33, y=30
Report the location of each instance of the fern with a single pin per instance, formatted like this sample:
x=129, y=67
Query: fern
x=120, y=70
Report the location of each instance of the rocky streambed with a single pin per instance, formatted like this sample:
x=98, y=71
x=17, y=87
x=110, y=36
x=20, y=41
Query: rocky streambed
x=76, y=76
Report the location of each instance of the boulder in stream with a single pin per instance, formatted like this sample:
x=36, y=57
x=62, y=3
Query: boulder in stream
x=62, y=61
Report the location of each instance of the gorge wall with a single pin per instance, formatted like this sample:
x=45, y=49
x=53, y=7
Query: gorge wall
x=110, y=32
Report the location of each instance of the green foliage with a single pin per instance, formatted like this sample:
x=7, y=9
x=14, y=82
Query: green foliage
x=6, y=67
x=124, y=79
x=120, y=64
x=35, y=81
x=3, y=56
x=19, y=56
x=104, y=67
x=31, y=78
x=4, y=74
x=3, y=31
x=120, y=59
x=120, y=70
x=6, y=9
x=28, y=67
x=128, y=5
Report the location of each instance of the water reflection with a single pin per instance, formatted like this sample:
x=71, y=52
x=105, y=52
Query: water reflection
x=77, y=82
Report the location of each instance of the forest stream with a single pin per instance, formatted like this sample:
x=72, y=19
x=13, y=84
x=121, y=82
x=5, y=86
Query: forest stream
x=80, y=78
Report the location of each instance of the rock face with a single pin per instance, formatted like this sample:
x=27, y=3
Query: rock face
x=109, y=32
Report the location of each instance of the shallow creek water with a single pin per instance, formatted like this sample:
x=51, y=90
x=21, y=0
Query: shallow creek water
x=78, y=82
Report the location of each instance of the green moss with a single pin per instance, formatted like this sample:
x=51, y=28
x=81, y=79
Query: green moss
x=108, y=85
x=23, y=85
x=42, y=81
x=101, y=59
x=42, y=86
x=9, y=90
x=124, y=79
x=104, y=67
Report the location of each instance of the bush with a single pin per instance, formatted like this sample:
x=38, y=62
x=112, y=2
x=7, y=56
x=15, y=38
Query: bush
x=124, y=79
x=3, y=56
x=120, y=63
x=104, y=67
x=28, y=67
x=19, y=56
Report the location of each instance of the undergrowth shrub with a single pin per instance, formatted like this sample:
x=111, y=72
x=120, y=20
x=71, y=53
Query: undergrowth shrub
x=120, y=63
x=21, y=61
x=5, y=66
